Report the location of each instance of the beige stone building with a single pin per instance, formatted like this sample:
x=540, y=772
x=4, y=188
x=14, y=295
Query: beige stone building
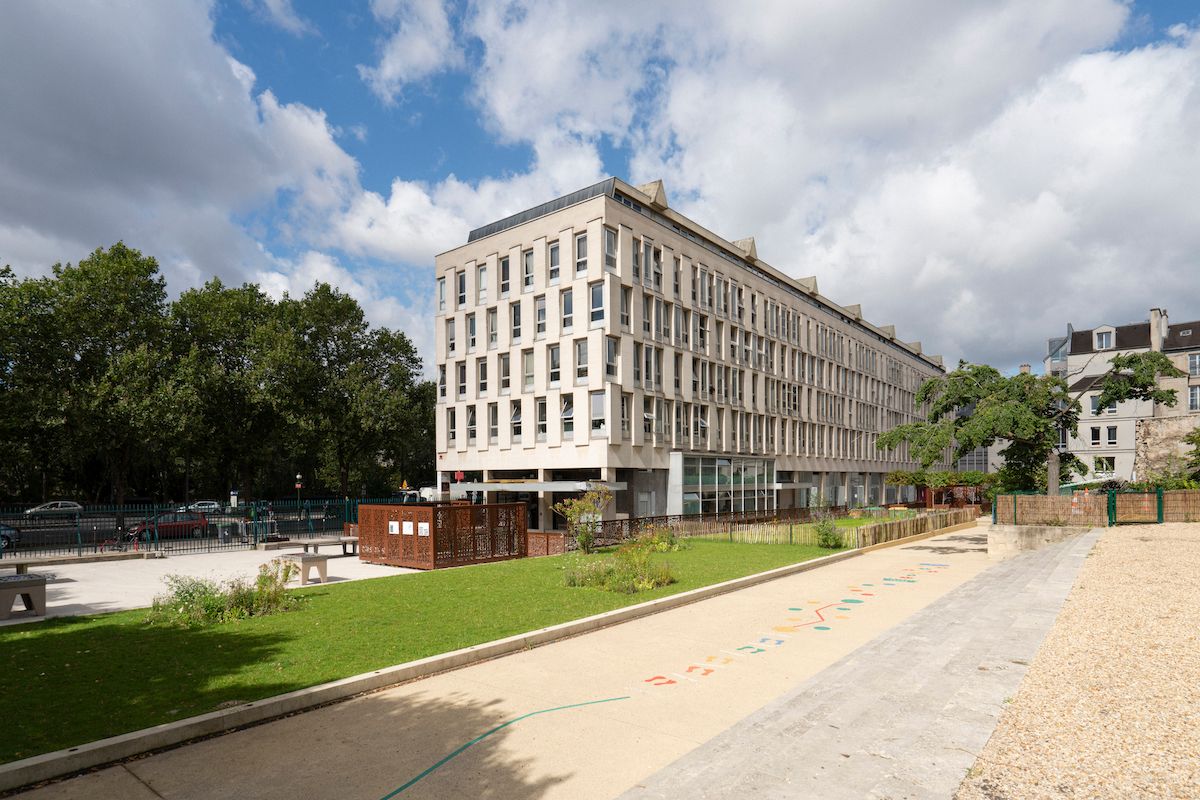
x=603, y=337
x=1136, y=438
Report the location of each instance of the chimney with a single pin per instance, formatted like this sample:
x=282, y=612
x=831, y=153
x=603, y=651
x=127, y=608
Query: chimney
x=1158, y=329
x=1024, y=369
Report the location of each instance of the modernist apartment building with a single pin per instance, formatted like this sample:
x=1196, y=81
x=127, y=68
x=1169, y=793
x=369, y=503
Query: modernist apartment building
x=602, y=337
x=1137, y=436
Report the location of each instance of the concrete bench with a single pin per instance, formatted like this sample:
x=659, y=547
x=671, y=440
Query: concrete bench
x=306, y=561
x=350, y=542
x=30, y=588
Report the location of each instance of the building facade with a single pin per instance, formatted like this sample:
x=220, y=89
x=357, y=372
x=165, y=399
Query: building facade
x=604, y=338
x=1136, y=438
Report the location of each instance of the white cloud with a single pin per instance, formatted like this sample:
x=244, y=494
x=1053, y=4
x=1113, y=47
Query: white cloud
x=420, y=43
x=283, y=15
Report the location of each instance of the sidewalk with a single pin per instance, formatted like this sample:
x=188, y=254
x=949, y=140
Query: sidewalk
x=588, y=717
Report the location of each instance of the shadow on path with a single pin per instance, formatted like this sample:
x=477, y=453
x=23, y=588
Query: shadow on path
x=950, y=545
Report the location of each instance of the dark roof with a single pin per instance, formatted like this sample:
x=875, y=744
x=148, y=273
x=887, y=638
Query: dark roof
x=1176, y=340
x=1083, y=384
x=1128, y=337
x=595, y=190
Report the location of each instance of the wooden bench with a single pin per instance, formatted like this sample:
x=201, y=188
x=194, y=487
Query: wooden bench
x=306, y=561
x=30, y=588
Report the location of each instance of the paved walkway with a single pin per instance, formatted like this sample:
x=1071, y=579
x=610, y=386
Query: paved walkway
x=593, y=716
x=902, y=717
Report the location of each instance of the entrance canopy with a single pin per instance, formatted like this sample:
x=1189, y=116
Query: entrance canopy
x=536, y=486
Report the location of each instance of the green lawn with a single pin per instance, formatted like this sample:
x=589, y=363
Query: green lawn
x=77, y=679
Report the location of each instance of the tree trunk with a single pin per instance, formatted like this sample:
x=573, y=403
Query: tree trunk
x=1052, y=474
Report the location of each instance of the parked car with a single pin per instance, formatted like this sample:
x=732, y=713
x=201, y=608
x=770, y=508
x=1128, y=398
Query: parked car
x=55, y=508
x=10, y=537
x=171, y=525
x=203, y=506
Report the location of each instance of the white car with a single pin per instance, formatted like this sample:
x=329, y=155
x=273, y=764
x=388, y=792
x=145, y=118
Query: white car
x=54, y=508
x=203, y=506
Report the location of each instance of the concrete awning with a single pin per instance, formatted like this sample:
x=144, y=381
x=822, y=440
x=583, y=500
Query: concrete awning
x=534, y=486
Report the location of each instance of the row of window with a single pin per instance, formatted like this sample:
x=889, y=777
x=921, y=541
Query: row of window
x=566, y=305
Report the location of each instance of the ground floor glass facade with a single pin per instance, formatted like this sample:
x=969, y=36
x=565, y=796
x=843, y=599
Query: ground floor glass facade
x=721, y=485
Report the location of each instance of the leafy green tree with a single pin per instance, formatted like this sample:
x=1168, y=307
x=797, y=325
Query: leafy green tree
x=1193, y=457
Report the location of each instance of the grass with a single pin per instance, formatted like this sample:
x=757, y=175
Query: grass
x=73, y=680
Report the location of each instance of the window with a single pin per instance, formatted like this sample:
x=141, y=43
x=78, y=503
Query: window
x=658, y=270
x=567, y=303
x=581, y=360
x=554, y=267
x=441, y=381
x=461, y=280
x=505, y=367
x=493, y=423
x=451, y=432
x=505, y=277
x=481, y=374
x=540, y=406
x=492, y=323
x=581, y=253
x=647, y=415
x=462, y=379
x=514, y=420
x=1194, y=364
x=470, y=332
x=678, y=269
x=1095, y=437
x=596, y=292
x=1194, y=398
x=568, y=416
x=514, y=312
x=527, y=368
x=470, y=424
x=611, y=346
x=647, y=313
x=610, y=249
x=626, y=301
x=527, y=270
x=1104, y=340
x=554, y=363
x=597, y=405
x=626, y=402
x=637, y=261
x=1112, y=434
x=1111, y=408
x=1104, y=466
x=481, y=285
x=450, y=337
x=539, y=316
x=441, y=294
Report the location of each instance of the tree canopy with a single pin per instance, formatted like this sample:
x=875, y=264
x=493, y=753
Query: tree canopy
x=110, y=391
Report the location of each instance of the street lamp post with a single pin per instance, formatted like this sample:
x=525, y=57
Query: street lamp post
x=298, y=485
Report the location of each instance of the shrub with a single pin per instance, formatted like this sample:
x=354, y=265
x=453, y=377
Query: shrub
x=629, y=570
x=194, y=602
x=583, y=514
x=660, y=540
x=828, y=535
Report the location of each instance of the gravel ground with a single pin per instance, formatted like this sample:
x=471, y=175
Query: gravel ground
x=1110, y=708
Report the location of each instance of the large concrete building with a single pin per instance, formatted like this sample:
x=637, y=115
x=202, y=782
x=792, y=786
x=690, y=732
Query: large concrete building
x=1137, y=438
x=603, y=337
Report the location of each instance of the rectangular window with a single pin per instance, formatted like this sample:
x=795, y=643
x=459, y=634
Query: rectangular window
x=514, y=420
x=505, y=366
x=1112, y=434
x=526, y=270
x=505, y=277
x=461, y=282
x=470, y=424
x=481, y=285
x=626, y=301
x=1194, y=364
x=581, y=360
x=610, y=249
x=647, y=313
x=1105, y=466
x=527, y=369
x=492, y=324
x=481, y=374
x=493, y=423
x=626, y=403
x=658, y=270
x=568, y=416
x=598, y=415
x=451, y=433
x=1104, y=340
x=678, y=270
x=581, y=253
x=462, y=379
x=554, y=363
x=450, y=337
x=637, y=261
x=1095, y=437
x=554, y=265
x=567, y=303
x=1111, y=408
x=441, y=381
x=539, y=316
x=1194, y=398
x=611, y=346
x=596, y=292
x=514, y=312
x=539, y=404
x=441, y=294
x=470, y=332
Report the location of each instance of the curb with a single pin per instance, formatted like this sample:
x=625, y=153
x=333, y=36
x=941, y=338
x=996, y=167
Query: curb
x=60, y=763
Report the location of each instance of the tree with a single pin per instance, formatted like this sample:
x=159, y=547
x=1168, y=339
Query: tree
x=1193, y=456
x=583, y=514
x=975, y=406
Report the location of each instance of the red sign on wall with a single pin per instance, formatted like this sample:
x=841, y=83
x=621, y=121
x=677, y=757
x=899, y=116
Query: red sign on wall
x=458, y=476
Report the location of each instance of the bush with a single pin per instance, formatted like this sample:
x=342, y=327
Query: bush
x=195, y=602
x=627, y=571
x=828, y=535
x=659, y=540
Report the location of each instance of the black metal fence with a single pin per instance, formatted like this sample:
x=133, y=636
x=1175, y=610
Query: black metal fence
x=26, y=532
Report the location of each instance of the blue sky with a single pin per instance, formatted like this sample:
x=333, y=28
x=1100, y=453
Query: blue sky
x=976, y=173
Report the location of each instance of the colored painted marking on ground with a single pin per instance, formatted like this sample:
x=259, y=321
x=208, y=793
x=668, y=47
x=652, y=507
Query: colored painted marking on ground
x=483, y=736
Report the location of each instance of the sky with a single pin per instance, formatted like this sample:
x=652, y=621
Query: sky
x=978, y=174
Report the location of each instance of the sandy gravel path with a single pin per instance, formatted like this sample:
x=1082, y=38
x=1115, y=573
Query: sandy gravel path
x=1110, y=707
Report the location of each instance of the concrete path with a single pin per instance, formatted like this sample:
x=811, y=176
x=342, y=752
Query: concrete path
x=102, y=586
x=903, y=717
x=589, y=717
